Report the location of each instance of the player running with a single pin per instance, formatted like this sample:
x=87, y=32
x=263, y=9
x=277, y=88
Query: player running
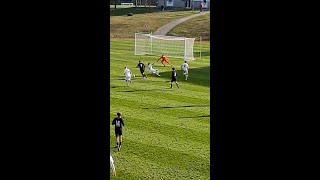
x=127, y=73
x=164, y=59
x=141, y=66
x=174, y=77
x=153, y=71
x=118, y=122
x=112, y=166
x=184, y=68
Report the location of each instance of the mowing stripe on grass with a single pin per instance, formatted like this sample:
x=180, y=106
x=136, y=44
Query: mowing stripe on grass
x=167, y=132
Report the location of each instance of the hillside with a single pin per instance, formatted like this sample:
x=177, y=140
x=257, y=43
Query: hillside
x=150, y=19
x=199, y=26
x=143, y=20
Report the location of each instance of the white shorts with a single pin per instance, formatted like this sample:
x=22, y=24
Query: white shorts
x=128, y=78
x=185, y=71
x=112, y=164
x=153, y=71
x=111, y=160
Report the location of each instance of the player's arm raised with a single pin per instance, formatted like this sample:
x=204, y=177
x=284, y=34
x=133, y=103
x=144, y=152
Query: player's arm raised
x=156, y=60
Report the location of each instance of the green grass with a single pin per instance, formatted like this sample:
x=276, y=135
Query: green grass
x=195, y=27
x=167, y=132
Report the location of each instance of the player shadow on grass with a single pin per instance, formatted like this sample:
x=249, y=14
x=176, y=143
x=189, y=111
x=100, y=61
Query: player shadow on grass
x=118, y=86
x=118, y=78
x=144, y=80
x=139, y=90
x=165, y=107
x=198, y=76
x=196, y=116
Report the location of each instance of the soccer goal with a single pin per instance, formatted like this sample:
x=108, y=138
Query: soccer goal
x=170, y=46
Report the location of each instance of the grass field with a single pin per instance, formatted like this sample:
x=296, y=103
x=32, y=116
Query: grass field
x=167, y=131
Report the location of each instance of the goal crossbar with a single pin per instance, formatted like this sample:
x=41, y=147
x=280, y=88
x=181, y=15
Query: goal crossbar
x=170, y=46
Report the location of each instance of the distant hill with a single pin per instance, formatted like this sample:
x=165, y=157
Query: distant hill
x=198, y=26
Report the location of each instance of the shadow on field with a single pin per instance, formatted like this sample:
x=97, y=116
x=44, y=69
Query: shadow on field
x=196, y=116
x=146, y=80
x=139, y=90
x=138, y=10
x=165, y=107
x=198, y=76
x=118, y=78
x=118, y=86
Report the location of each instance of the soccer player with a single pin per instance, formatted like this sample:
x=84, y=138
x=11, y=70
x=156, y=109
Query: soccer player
x=174, y=77
x=141, y=66
x=127, y=73
x=184, y=68
x=164, y=59
x=112, y=166
x=153, y=71
x=118, y=122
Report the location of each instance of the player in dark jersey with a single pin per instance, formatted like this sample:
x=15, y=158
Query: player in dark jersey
x=174, y=77
x=141, y=66
x=118, y=122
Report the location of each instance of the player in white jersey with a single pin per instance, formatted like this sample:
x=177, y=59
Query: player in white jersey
x=184, y=68
x=127, y=73
x=153, y=71
x=112, y=166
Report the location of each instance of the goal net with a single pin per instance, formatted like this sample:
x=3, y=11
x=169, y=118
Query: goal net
x=170, y=46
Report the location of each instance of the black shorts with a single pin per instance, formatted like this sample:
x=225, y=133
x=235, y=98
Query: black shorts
x=141, y=71
x=173, y=79
x=118, y=132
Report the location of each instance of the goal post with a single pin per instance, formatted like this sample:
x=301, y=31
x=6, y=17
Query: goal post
x=142, y=44
x=170, y=46
x=200, y=46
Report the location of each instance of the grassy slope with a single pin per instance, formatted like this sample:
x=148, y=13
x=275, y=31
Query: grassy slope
x=123, y=26
x=167, y=131
x=195, y=27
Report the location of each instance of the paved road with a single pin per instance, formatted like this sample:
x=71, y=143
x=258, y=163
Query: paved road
x=167, y=27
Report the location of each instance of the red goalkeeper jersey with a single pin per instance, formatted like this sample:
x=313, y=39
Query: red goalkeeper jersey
x=164, y=59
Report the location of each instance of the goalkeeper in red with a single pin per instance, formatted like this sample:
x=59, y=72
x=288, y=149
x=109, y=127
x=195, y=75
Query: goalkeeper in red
x=164, y=59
